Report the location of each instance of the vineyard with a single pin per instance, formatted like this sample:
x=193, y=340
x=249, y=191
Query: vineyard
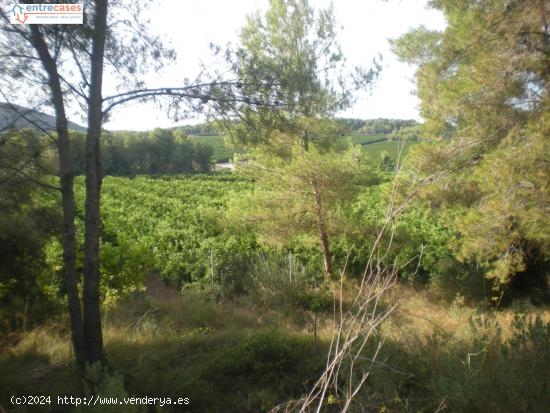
x=176, y=226
x=170, y=225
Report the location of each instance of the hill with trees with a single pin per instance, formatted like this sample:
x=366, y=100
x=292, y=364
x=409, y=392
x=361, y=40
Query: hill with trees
x=19, y=117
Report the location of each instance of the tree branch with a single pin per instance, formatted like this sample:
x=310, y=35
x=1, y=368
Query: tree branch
x=27, y=176
x=187, y=92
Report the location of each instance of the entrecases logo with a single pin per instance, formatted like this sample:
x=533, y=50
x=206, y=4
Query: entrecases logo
x=46, y=13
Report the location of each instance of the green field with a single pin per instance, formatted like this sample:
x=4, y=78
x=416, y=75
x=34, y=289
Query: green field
x=375, y=150
x=373, y=145
x=367, y=139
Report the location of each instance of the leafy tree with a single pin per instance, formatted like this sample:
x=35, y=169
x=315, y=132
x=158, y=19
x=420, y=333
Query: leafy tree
x=163, y=151
x=26, y=222
x=354, y=125
x=300, y=198
x=291, y=57
x=385, y=126
x=66, y=63
x=200, y=129
x=484, y=84
x=407, y=133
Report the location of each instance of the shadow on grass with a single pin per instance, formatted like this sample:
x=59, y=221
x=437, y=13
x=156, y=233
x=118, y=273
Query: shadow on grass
x=226, y=358
x=242, y=371
x=222, y=357
x=31, y=373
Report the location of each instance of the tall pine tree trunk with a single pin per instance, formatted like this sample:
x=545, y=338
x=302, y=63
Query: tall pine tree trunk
x=323, y=233
x=92, y=219
x=67, y=197
x=321, y=223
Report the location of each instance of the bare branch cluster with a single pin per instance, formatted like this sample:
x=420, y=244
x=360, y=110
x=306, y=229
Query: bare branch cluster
x=356, y=340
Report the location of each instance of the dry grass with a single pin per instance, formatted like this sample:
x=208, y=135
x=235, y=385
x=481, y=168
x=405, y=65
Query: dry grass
x=423, y=313
x=219, y=352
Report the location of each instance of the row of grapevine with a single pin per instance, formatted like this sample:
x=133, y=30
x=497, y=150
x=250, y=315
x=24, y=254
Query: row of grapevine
x=176, y=227
x=168, y=225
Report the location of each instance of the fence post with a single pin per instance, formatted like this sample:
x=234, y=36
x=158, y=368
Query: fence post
x=212, y=269
x=315, y=333
x=290, y=266
x=222, y=275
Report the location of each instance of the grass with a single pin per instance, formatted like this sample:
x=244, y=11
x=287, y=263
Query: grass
x=224, y=357
x=221, y=357
x=235, y=357
x=452, y=357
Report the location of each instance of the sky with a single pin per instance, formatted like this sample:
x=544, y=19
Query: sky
x=366, y=26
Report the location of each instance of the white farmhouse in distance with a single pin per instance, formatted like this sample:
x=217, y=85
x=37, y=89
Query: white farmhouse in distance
x=224, y=167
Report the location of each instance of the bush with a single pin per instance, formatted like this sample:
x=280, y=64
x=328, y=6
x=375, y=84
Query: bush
x=480, y=370
x=267, y=366
x=99, y=382
x=283, y=284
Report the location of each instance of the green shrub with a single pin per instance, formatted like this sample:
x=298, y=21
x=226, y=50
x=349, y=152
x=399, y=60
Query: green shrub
x=99, y=383
x=281, y=283
x=266, y=368
x=484, y=371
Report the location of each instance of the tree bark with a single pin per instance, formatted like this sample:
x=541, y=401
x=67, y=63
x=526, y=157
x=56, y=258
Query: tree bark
x=67, y=197
x=92, y=218
x=323, y=234
x=321, y=224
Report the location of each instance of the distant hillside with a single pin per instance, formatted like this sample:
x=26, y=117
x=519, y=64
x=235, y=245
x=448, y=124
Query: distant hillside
x=15, y=117
x=353, y=125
